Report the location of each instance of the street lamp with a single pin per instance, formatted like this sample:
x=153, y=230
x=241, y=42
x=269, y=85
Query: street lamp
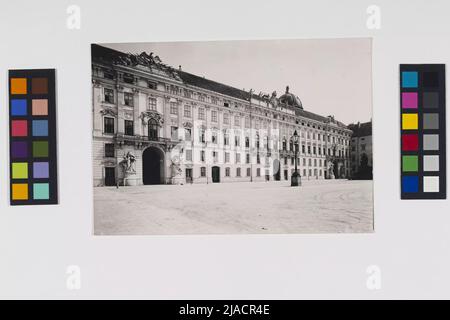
x=295, y=178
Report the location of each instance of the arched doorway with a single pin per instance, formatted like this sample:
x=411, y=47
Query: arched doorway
x=215, y=173
x=152, y=166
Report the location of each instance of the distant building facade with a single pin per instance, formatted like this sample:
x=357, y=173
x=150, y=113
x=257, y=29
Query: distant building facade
x=360, y=148
x=153, y=124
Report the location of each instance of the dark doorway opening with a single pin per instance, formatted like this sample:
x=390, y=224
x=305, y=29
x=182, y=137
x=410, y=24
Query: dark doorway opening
x=215, y=173
x=152, y=166
x=189, y=176
x=276, y=170
x=110, y=176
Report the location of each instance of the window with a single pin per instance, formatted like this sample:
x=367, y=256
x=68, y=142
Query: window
x=173, y=108
x=173, y=89
x=108, y=125
x=247, y=158
x=238, y=172
x=304, y=172
x=109, y=150
x=226, y=104
x=109, y=95
x=363, y=147
x=227, y=157
x=189, y=155
x=248, y=172
x=226, y=138
x=238, y=158
x=214, y=137
x=151, y=85
x=174, y=133
x=303, y=148
x=309, y=149
x=258, y=172
x=314, y=150
x=258, y=158
x=226, y=118
x=227, y=172
x=187, y=134
x=128, y=78
x=257, y=141
x=108, y=74
x=304, y=161
x=128, y=99
x=201, y=97
x=201, y=135
x=284, y=144
x=152, y=129
x=315, y=162
x=237, y=141
x=202, y=155
x=129, y=128
x=151, y=104
x=187, y=111
x=292, y=160
x=214, y=100
x=309, y=162
x=215, y=156
x=237, y=121
x=319, y=149
x=213, y=115
x=247, y=142
x=202, y=172
x=291, y=145
x=201, y=113
x=247, y=122
x=285, y=160
x=309, y=172
x=187, y=93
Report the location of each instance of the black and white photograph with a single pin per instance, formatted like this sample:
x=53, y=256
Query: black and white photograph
x=232, y=137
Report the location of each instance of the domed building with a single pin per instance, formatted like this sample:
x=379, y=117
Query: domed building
x=155, y=124
x=290, y=100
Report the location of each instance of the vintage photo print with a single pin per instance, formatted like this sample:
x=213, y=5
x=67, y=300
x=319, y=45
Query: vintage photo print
x=232, y=137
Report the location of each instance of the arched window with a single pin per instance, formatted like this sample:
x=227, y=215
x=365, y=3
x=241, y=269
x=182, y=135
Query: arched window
x=152, y=129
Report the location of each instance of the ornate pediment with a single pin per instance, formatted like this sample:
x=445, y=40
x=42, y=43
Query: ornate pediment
x=108, y=112
x=151, y=115
x=188, y=124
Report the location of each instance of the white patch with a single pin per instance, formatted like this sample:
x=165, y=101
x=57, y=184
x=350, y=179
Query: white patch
x=374, y=18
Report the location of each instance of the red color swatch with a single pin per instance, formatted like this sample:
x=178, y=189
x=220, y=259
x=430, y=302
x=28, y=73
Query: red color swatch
x=410, y=142
x=19, y=128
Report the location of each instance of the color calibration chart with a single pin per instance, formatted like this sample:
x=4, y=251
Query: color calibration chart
x=33, y=157
x=422, y=114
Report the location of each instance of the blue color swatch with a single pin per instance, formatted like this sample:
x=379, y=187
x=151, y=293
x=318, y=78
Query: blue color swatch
x=40, y=128
x=18, y=107
x=410, y=184
x=410, y=79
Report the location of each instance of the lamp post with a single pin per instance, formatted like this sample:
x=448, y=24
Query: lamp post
x=295, y=178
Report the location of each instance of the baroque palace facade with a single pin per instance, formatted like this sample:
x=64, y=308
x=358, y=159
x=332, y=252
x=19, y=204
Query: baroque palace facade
x=153, y=124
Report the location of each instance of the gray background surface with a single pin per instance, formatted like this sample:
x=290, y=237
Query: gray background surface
x=412, y=239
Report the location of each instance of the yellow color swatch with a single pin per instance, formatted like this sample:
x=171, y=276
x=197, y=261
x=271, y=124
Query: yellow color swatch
x=410, y=121
x=18, y=85
x=19, y=191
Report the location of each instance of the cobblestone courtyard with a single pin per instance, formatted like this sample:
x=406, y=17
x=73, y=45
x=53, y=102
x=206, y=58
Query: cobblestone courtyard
x=324, y=206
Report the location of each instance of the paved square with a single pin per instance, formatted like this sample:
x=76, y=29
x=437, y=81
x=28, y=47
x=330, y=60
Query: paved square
x=318, y=206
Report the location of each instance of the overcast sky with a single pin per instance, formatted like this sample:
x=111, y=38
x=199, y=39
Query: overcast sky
x=331, y=76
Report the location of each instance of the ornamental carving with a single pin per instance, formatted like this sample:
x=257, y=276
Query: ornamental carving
x=151, y=115
x=108, y=112
x=188, y=125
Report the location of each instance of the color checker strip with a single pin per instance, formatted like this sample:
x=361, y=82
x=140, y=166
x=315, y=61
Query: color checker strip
x=33, y=158
x=422, y=122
